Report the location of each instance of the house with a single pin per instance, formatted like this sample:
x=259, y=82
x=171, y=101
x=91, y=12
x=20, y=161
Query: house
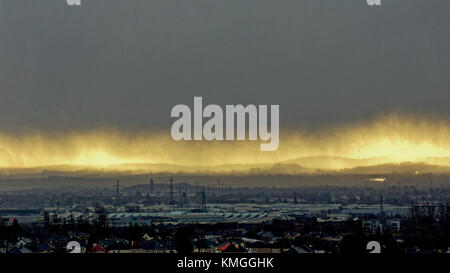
x=300, y=249
x=374, y=225
x=119, y=246
x=42, y=247
x=203, y=246
x=146, y=237
x=234, y=248
x=258, y=247
x=371, y=225
x=392, y=225
x=291, y=235
x=17, y=250
x=22, y=242
x=266, y=235
x=155, y=245
x=223, y=246
x=98, y=249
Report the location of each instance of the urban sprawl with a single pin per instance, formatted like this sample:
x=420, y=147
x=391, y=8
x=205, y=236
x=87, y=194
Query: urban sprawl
x=182, y=217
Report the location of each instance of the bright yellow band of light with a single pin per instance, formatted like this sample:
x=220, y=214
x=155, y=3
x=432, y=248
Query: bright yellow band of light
x=387, y=139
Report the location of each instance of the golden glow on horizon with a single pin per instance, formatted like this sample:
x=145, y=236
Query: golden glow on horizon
x=379, y=180
x=388, y=139
x=101, y=158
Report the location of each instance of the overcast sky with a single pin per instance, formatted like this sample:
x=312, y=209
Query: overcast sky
x=124, y=64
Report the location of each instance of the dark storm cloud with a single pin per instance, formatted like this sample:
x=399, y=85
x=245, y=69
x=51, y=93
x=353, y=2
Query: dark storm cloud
x=124, y=64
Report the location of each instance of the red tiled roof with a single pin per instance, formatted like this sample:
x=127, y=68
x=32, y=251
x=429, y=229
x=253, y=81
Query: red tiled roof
x=98, y=248
x=223, y=247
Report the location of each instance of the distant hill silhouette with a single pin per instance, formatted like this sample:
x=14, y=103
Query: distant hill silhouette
x=303, y=165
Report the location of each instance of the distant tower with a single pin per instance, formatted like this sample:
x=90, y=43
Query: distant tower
x=151, y=185
x=117, y=188
x=171, y=202
x=180, y=197
x=220, y=185
x=295, y=198
x=381, y=204
x=117, y=191
x=203, y=199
